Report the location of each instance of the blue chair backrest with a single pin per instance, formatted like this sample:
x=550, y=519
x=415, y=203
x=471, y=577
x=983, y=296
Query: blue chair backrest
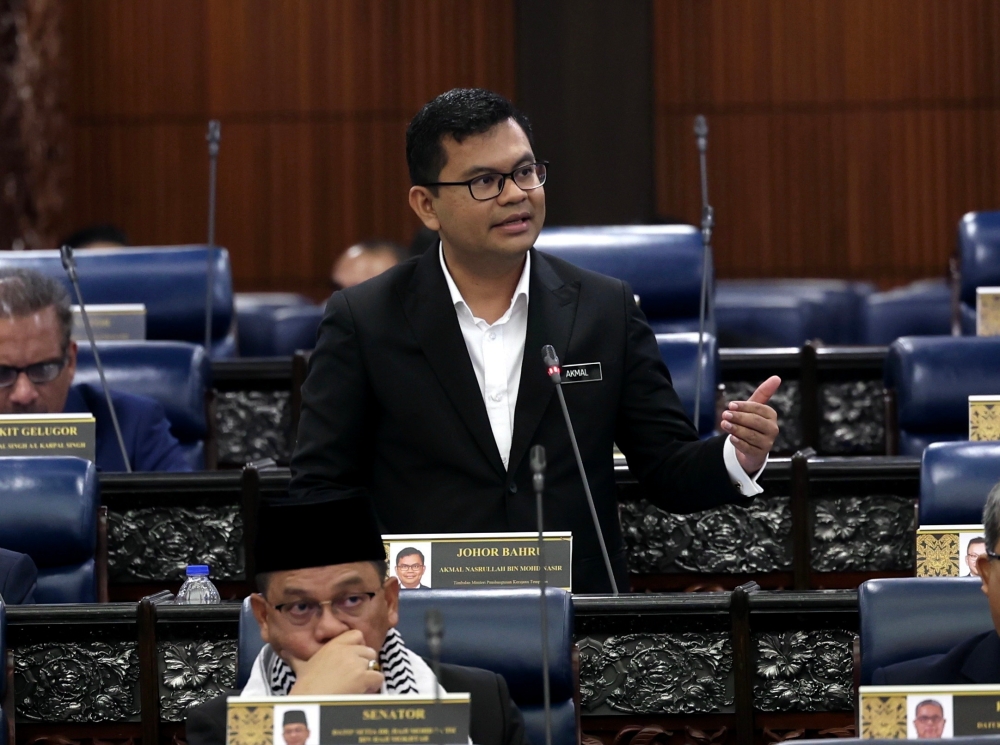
x=513, y=650
x=979, y=254
x=175, y=374
x=763, y=319
x=919, y=309
x=912, y=617
x=170, y=280
x=955, y=478
x=48, y=510
x=933, y=377
x=268, y=331
x=662, y=263
x=679, y=353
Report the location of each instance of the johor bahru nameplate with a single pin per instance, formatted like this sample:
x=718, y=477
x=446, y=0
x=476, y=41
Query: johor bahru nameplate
x=479, y=560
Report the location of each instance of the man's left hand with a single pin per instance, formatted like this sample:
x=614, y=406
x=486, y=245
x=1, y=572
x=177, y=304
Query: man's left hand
x=752, y=426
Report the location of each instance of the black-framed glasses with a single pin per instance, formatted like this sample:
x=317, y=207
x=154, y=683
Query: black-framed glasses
x=38, y=373
x=408, y=567
x=303, y=612
x=487, y=186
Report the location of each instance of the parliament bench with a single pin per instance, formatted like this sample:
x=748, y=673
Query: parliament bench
x=979, y=263
x=955, y=479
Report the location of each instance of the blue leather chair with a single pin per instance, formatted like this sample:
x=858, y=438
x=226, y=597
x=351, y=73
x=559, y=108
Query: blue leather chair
x=170, y=280
x=789, y=312
x=679, y=353
x=513, y=649
x=48, y=510
x=907, y=618
x=979, y=257
x=920, y=309
x=175, y=374
x=278, y=331
x=662, y=263
x=955, y=478
x=933, y=377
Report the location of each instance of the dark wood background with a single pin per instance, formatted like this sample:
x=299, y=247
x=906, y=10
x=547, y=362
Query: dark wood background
x=847, y=136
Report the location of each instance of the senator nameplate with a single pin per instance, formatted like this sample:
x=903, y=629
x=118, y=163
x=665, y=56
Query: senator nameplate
x=949, y=550
x=47, y=434
x=122, y=322
x=928, y=712
x=479, y=560
x=988, y=311
x=984, y=418
x=348, y=720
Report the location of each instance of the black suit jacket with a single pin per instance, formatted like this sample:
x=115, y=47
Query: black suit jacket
x=18, y=578
x=494, y=718
x=391, y=409
x=976, y=661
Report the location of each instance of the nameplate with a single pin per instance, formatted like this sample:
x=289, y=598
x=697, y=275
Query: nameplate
x=479, y=560
x=47, y=434
x=126, y=322
x=588, y=372
x=949, y=550
x=928, y=712
x=347, y=720
x=984, y=418
x=988, y=311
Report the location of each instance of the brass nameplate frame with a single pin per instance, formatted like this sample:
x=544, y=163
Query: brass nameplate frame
x=943, y=550
x=896, y=712
x=349, y=720
x=984, y=418
x=479, y=560
x=47, y=434
x=988, y=311
x=122, y=322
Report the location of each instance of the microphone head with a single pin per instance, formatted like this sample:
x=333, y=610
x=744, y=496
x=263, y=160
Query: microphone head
x=700, y=126
x=538, y=459
x=66, y=254
x=434, y=623
x=550, y=356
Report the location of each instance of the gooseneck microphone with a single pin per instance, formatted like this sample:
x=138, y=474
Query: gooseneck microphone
x=213, y=137
x=434, y=632
x=69, y=264
x=538, y=481
x=555, y=373
x=707, y=223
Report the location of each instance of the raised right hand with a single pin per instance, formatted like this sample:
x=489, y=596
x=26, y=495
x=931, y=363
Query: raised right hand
x=340, y=666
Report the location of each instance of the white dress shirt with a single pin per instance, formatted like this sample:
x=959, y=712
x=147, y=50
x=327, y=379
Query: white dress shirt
x=496, y=351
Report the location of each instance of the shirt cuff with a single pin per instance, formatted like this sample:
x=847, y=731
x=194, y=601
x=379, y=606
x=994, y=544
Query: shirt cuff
x=745, y=485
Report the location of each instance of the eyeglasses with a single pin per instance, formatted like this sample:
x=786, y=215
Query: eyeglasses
x=408, y=567
x=487, y=186
x=38, y=373
x=935, y=719
x=304, y=612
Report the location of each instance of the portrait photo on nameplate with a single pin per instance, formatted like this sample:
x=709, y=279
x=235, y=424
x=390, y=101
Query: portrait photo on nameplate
x=949, y=550
x=479, y=560
x=928, y=712
x=47, y=434
x=348, y=720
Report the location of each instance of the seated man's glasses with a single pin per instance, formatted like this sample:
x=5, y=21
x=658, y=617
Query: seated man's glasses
x=38, y=373
x=408, y=567
x=487, y=186
x=304, y=612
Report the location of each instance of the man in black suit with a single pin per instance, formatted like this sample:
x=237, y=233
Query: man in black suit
x=327, y=612
x=427, y=388
x=977, y=659
x=18, y=578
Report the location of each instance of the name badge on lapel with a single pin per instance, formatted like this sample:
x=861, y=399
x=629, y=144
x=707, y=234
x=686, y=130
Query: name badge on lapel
x=587, y=372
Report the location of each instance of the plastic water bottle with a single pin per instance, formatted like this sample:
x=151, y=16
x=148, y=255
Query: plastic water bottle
x=197, y=588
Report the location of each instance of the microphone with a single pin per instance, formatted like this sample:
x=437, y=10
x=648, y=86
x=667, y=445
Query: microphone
x=555, y=373
x=69, y=264
x=434, y=631
x=538, y=480
x=707, y=223
x=213, y=137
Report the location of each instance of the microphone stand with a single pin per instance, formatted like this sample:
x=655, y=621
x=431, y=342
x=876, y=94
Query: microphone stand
x=538, y=480
x=707, y=223
x=213, y=137
x=434, y=630
x=555, y=373
x=69, y=264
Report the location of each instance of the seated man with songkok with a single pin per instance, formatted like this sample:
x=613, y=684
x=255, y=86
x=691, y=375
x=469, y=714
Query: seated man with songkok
x=37, y=365
x=327, y=612
x=977, y=659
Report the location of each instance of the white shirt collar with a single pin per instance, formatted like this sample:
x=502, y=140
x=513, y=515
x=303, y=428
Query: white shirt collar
x=456, y=296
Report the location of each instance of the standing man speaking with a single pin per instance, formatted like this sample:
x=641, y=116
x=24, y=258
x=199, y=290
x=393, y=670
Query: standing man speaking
x=427, y=387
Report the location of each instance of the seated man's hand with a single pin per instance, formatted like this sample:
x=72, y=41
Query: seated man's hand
x=753, y=426
x=340, y=666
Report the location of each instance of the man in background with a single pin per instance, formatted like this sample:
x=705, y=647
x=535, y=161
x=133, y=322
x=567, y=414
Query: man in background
x=18, y=578
x=97, y=236
x=365, y=260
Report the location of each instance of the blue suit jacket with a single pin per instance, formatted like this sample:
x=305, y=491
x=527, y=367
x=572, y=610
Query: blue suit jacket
x=145, y=429
x=976, y=660
x=18, y=577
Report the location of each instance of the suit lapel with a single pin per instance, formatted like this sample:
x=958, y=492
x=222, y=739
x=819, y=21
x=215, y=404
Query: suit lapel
x=551, y=310
x=981, y=665
x=428, y=307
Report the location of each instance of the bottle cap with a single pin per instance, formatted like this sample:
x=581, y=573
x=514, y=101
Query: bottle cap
x=197, y=570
